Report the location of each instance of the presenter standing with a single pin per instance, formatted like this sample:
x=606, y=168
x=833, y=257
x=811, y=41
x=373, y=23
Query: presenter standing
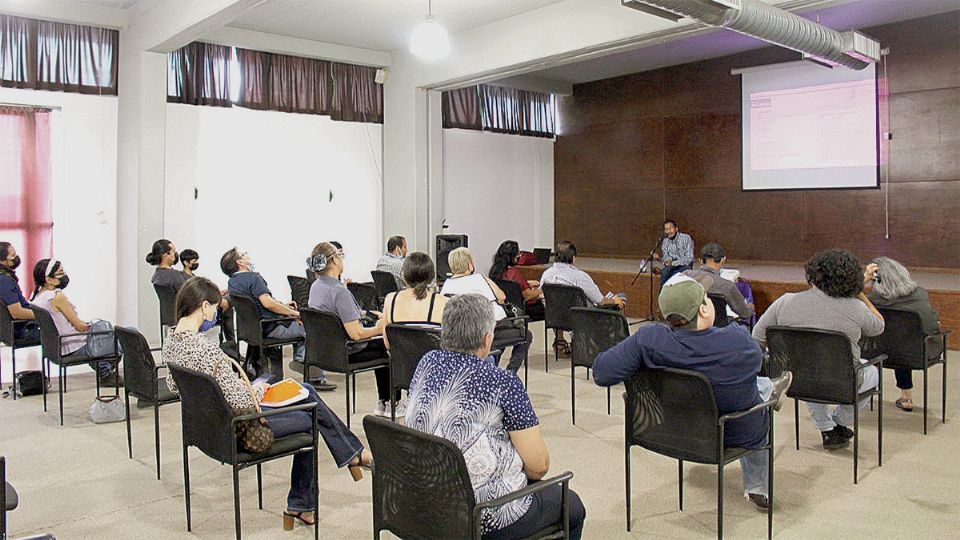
x=676, y=249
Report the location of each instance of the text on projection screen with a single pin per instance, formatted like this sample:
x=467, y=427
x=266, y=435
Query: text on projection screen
x=809, y=127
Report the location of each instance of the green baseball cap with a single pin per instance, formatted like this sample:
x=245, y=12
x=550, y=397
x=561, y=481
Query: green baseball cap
x=682, y=296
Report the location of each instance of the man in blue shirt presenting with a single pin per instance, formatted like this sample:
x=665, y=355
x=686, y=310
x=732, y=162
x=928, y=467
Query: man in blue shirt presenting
x=677, y=250
x=729, y=357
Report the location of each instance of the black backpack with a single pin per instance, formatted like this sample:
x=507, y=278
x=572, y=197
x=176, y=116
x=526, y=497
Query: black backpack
x=30, y=383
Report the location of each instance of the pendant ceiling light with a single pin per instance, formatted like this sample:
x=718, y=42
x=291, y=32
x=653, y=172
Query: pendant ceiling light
x=429, y=39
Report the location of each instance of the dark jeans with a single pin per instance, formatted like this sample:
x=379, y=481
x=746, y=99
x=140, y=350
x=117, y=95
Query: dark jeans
x=904, y=378
x=506, y=335
x=545, y=510
x=373, y=351
x=343, y=446
x=669, y=271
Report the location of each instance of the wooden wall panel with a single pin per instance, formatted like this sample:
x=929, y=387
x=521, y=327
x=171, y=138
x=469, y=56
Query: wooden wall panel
x=666, y=143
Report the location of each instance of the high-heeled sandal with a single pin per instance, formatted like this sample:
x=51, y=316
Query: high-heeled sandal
x=356, y=469
x=561, y=346
x=289, y=517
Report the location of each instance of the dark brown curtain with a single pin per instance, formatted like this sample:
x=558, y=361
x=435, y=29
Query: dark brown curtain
x=461, y=109
x=64, y=57
x=199, y=74
x=509, y=110
x=279, y=82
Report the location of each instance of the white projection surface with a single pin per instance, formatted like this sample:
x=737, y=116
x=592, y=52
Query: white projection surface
x=809, y=127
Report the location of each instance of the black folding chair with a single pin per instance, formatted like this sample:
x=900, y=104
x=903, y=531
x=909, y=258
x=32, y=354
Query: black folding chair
x=7, y=338
x=906, y=347
x=366, y=295
x=142, y=379
x=673, y=412
x=299, y=290
x=408, y=344
x=594, y=331
x=515, y=296
x=385, y=283
x=208, y=423
x=251, y=329
x=9, y=500
x=721, y=318
x=558, y=299
x=825, y=371
x=50, y=343
x=418, y=475
x=327, y=347
x=168, y=302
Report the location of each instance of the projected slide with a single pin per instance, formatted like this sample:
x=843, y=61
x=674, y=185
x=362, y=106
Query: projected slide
x=803, y=130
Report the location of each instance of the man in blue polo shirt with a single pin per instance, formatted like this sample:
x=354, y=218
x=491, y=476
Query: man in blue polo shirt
x=24, y=327
x=729, y=357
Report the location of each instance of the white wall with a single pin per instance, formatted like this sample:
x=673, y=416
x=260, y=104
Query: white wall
x=497, y=187
x=265, y=180
x=84, y=182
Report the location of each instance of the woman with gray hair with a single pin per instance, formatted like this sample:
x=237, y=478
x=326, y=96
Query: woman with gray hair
x=457, y=394
x=894, y=288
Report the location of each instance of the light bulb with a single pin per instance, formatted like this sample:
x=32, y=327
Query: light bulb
x=429, y=40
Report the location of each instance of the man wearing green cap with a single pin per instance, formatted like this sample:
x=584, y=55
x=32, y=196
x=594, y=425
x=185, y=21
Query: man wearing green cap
x=729, y=357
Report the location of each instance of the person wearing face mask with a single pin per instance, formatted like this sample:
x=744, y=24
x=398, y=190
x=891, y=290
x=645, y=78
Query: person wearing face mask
x=50, y=279
x=24, y=327
x=164, y=256
x=190, y=260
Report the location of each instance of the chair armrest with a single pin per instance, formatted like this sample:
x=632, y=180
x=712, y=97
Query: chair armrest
x=274, y=412
x=945, y=332
x=529, y=490
x=97, y=333
x=158, y=367
x=155, y=349
x=264, y=322
x=872, y=362
x=740, y=414
x=368, y=340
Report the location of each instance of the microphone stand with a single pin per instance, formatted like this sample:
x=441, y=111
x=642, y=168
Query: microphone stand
x=643, y=268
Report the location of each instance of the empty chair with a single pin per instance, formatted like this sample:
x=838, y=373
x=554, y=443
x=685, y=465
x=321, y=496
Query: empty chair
x=558, y=299
x=408, y=344
x=418, y=475
x=824, y=371
x=208, y=423
x=673, y=412
x=299, y=290
x=366, y=295
x=168, y=301
x=385, y=283
x=327, y=347
x=142, y=380
x=250, y=328
x=906, y=347
x=50, y=344
x=594, y=331
x=7, y=338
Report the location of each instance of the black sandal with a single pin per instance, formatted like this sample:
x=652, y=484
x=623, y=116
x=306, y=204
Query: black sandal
x=902, y=404
x=289, y=517
x=561, y=346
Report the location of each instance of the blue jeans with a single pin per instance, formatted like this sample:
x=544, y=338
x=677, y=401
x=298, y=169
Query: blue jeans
x=342, y=443
x=293, y=330
x=755, y=465
x=669, y=271
x=506, y=335
x=824, y=420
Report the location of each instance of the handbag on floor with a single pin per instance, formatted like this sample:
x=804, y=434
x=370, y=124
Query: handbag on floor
x=30, y=383
x=107, y=409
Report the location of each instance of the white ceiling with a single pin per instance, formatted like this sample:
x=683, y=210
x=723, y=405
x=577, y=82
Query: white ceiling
x=374, y=24
x=714, y=43
x=122, y=4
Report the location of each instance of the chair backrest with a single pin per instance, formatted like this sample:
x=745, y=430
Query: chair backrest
x=248, y=321
x=902, y=339
x=168, y=305
x=408, y=344
x=310, y=275
x=673, y=412
x=365, y=294
x=594, y=331
x=325, y=341
x=558, y=299
x=6, y=326
x=821, y=362
x=299, y=290
x=720, y=310
x=204, y=412
x=418, y=475
x=513, y=292
x=384, y=282
x=49, y=335
x=139, y=377
x=543, y=255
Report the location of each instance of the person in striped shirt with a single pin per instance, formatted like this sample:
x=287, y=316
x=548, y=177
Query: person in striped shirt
x=676, y=249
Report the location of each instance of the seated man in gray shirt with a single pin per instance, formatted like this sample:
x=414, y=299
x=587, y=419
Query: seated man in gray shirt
x=835, y=302
x=712, y=257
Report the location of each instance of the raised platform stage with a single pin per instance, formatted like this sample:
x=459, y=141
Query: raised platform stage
x=768, y=282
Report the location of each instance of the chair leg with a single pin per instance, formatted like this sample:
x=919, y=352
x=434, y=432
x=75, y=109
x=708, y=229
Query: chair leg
x=680, y=481
x=186, y=483
x=943, y=392
x=347, y=385
x=156, y=433
x=526, y=371
x=720, y=499
x=626, y=477
x=856, y=439
x=880, y=424
x=126, y=399
x=259, y=487
x=236, y=500
x=796, y=420
x=573, y=395
x=13, y=366
x=608, y=401
x=393, y=405
x=770, y=490
x=61, y=384
x=46, y=376
x=354, y=379
x=924, y=399
x=546, y=356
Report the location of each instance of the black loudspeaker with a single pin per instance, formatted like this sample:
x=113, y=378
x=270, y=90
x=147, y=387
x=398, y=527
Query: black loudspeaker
x=445, y=244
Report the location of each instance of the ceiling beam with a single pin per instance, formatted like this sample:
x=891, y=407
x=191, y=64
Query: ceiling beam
x=67, y=12
x=166, y=25
x=261, y=41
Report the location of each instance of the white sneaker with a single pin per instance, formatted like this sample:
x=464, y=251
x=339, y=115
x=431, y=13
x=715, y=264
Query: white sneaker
x=401, y=409
x=381, y=409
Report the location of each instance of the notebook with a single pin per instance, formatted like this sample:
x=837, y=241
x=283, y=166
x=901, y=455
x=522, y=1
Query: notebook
x=285, y=392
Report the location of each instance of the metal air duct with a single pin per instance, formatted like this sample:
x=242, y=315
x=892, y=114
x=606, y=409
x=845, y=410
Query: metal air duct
x=760, y=20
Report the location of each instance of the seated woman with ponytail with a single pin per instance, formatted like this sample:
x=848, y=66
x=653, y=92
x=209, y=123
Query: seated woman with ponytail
x=49, y=280
x=419, y=303
x=196, y=312
x=164, y=256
